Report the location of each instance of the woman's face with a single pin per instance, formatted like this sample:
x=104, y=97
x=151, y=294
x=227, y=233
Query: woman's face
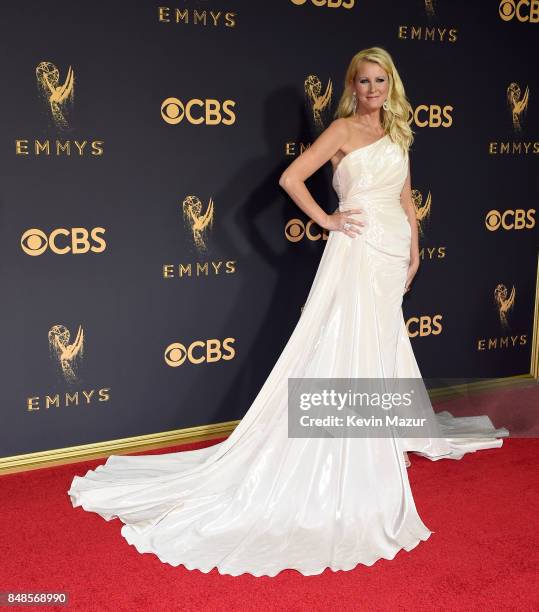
x=371, y=85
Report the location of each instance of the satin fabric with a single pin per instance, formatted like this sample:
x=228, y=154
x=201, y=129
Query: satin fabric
x=260, y=502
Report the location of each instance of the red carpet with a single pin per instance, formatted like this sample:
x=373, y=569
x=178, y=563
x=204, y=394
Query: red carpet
x=483, y=556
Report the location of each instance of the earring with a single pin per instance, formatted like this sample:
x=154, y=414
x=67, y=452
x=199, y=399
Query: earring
x=354, y=98
x=385, y=105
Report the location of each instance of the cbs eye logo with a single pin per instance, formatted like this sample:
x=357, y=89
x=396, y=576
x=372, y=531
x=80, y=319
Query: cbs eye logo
x=199, y=351
x=61, y=241
x=209, y=112
x=510, y=219
x=523, y=10
x=295, y=230
x=346, y=4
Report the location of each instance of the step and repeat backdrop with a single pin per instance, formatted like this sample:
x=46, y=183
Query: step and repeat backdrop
x=152, y=269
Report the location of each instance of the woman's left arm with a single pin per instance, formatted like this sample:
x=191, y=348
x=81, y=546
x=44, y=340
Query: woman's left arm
x=409, y=208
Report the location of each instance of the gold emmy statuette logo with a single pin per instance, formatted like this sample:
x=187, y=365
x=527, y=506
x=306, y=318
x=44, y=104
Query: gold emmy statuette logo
x=422, y=211
x=517, y=103
x=57, y=95
x=429, y=7
x=195, y=221
x=67, y=354
x=422, y=215
x=504, y=303
x=319, y=102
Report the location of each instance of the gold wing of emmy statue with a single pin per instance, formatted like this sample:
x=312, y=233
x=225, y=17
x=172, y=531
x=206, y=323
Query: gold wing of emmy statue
x=68, y=352
x=48, y=77
x=520, y=105
x=517, y=103
x=504, y=302
x=197, y=222
x=63, y=92
x=320, y=102
x=507, y=304
x=201, y=222
x=422, y=211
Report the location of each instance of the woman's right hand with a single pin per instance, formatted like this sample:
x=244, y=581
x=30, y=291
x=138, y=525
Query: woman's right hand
x=343, y=221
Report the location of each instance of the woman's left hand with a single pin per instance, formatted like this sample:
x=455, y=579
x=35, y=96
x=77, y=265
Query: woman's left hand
x=413, y=267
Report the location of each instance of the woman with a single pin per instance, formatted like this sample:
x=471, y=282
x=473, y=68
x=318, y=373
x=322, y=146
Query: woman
x=261, y=501
x=365, y=115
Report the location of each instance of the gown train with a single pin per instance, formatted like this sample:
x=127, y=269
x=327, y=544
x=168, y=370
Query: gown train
x=260, y=502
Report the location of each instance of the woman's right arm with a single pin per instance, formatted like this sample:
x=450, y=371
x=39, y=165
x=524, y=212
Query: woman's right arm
x=293, y=179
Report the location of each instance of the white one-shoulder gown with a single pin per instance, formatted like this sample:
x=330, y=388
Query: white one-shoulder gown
x=261, y=502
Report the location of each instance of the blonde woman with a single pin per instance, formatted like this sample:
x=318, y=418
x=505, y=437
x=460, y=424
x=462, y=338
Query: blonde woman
x=263, y=501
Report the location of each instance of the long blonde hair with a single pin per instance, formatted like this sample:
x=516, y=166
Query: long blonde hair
x=395, y=119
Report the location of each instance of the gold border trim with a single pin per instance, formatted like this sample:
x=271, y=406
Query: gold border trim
x=122, y=446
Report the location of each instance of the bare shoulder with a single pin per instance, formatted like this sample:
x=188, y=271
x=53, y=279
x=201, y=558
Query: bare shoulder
x=340, y=128
x=326, y=147
x=330, y=142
